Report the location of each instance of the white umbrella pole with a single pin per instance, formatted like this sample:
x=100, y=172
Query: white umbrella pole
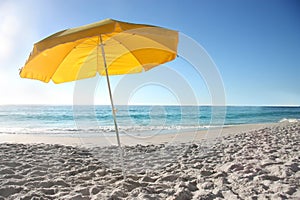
x=113, y=108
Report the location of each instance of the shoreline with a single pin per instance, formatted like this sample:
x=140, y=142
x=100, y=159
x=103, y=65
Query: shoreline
x=174, y=136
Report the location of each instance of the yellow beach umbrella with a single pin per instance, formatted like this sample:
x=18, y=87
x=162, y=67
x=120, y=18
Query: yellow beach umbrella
x=108, y=47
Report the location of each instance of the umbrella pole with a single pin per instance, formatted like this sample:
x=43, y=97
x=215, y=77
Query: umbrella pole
x=113, y=108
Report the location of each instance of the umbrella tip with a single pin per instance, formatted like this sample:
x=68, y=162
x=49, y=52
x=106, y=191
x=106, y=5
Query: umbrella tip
x=109, y=19
x=20, y=70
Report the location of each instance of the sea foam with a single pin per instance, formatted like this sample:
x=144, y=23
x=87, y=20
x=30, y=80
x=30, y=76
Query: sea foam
x=291, y=120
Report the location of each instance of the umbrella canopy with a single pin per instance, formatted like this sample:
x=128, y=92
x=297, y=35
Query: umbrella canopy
x=108, y=47
x=75, y=53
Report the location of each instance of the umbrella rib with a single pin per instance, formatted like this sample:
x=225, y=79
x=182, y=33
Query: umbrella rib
x=126, y=48
x=166, y=47
x=89, y=38
x=113, y=38
x=74, y=47
x=61, y=62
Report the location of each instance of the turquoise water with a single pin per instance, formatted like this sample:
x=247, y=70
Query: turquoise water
x=89, y=119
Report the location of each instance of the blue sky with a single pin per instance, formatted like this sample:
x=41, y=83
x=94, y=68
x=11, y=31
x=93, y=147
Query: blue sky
x=255, y=45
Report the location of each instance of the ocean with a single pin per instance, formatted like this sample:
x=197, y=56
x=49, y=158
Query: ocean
x=48, y=119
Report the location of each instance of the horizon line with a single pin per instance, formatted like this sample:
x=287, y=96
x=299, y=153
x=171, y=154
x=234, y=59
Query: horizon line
x=228, y=105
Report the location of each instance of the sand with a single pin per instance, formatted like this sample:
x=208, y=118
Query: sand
x=156, y=138
x=258, y=162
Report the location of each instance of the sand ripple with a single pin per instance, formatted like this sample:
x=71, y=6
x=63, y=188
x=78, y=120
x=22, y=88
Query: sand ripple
x=261, y=164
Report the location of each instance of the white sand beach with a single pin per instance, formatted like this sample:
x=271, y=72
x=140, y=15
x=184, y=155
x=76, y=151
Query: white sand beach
x=242, y=162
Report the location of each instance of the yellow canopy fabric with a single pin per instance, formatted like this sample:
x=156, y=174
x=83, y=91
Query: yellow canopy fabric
x=76, y=53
